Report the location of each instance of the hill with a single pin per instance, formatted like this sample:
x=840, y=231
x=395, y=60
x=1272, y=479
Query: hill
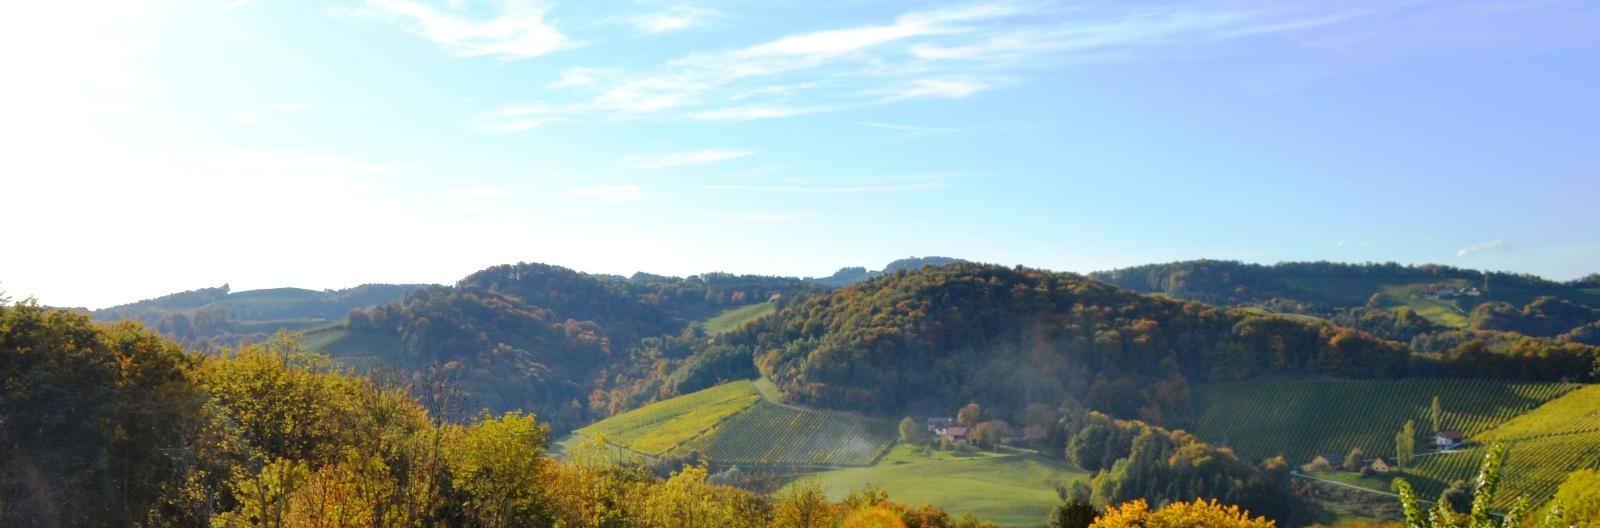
x=852, y=275
x=733, y=424
x=928, y=341
x=1552, y=428
x=1445, y=295
x=1011, y=489
x=222, y=317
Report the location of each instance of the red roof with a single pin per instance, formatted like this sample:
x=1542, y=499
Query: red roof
x=1451, y=435
x=955, y=430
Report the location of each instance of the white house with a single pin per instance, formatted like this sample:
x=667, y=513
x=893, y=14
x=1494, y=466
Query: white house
x=1447, y=440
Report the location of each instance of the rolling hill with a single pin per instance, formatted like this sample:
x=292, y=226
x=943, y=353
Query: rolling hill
x=735, y=424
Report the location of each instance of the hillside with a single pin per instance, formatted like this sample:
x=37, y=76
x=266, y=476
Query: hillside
x=734, y=424
x=847, y=276
x=1011, y=489
x=222, y=317
x=931, y=340
x=1326, y=287
x=1552, y=428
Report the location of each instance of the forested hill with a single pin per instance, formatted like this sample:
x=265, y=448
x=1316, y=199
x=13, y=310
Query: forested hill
x=571, y=346
x=209, y=316
x=939, y=337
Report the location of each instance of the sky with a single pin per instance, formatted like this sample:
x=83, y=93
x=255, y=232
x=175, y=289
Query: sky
x=149, y=147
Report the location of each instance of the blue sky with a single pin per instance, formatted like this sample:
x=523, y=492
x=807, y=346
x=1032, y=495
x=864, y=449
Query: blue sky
x=152, y=147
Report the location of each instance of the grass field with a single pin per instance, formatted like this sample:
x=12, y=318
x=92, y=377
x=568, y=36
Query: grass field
x=1009, y=489
x=1552, y=428
x=733, y=318
x=735, y=423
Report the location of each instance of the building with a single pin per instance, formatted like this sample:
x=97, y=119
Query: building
x=937, y=425
x=1447, y=440
x=1385, y=465
x=955, y=433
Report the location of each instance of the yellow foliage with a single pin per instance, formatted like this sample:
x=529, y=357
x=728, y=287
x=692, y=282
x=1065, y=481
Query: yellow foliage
x=1197, y=514
x=875, y=517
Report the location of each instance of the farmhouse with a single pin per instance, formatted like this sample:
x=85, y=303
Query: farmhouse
x=1385, y=465
x=1324, y=462
x=1447, y=440
x=937, y=425
x=955, y=433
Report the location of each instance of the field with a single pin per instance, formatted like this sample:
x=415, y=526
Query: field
x=657, y=428
x=734, y=423
x=1551, y=427
x=733, y=318
x=361, y=350
x=1010, y=489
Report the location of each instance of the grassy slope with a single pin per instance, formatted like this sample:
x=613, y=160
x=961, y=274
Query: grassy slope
x=1300, y=419
x=732, y=318
x=1449, y=312
x=1010, y=489
x=657, y=428
x=736, y=423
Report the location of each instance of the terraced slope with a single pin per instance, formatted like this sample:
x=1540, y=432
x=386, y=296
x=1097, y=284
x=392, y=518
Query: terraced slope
x=734, y=423
x=1300, y=419
x=1545, y=445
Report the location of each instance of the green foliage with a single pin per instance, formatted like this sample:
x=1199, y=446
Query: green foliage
x=1155, y=464
x=1480, y=515
x=1579, y=496
x=659, y=427
x=1073, y=514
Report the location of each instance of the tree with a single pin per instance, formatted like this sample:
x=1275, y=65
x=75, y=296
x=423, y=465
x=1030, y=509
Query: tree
x=1197, y=514
x=1436, y=415
x=1480, y=515
x=1579, y=496
x=1405, y=444
x=990, y=432
x=909, y=432
x=1073, y=514
x=968, y=415
x=1354, y=460
x=804, y=506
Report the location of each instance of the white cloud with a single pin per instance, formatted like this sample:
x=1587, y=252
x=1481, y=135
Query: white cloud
x=934, y=88
x=675, y=18
x=910, y=128
x=517, y=31
x=683, y=159
x=609, y=193
x=747, y=113
x=1485, y=246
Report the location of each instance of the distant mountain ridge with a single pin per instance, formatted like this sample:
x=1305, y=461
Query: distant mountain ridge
x=852, y=275
x=220, y=316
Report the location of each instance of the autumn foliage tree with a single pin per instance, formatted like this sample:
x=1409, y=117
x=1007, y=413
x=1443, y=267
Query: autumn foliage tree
x=1196, y=514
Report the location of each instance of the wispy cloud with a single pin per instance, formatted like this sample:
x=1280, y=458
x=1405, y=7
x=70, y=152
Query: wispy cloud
x=257, y=115
x=675, y=18
x=609, y=193
x=942, y=53
x=682, y=159
x=844, y=189
x=910, y=128
x=1478, y=248
x=517, y=30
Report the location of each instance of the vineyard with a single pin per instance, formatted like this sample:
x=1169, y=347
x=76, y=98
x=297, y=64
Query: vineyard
x=1551, y=428
x=657, y=428
x=1545, y=445
x=734, y=424
x=1302, y=419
